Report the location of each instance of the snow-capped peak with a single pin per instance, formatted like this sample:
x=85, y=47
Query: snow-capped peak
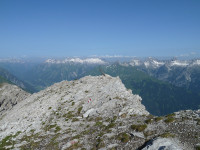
x=179, y=63
x=135, y=62
x=148, y=63
x=153, y=63
x=76, y=60
x=196, y=62
x=158, y=63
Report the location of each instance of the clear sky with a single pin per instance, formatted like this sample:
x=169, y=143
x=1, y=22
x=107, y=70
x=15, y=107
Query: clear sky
x=99, y=27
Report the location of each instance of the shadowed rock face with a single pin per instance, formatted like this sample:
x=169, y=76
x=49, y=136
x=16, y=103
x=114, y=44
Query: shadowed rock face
x=93, y=112
x=10, y=95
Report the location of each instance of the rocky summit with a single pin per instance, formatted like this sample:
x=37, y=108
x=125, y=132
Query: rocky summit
x=94, y=112
x=10, y=95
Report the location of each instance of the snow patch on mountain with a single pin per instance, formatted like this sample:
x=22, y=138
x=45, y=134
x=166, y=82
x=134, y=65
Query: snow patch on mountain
x=196, y=62
x=76, y=60
x=157, y=63
x=179, y=63
x=135, y=62
x=154, y=63
x=147, y=63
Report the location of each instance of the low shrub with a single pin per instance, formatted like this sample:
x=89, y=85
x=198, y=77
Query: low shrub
x=79, y=110
x=123, y=137
x=158, y=119
x=139, y=128
x=149, y=121
x=169, y=120
x=75, y=119
x=167, y=135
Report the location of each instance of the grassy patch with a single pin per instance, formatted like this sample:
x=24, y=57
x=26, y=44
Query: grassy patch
x=117, y=97
x=111, y=125
x=8, y=141
x=32, y=130
x=79, y=110
x=69, y=115
x=98, y=118
x=31, y=143
x=198, y=121
x=74, y=146
x=49, y=127
x=167, y=135
x=197, y=147
x=123, y=137
x=150, y=116
x=76, y=136
x=149, y=121
x=75, y=119
x=57, y=129
x=114, y=118
x=85, y=132
x=139, y=128
x=98, y=123
x=170, y=115
x=59, y=108
x=100, y=143
x=158, y=119
x=169, y=120
x=101, y=134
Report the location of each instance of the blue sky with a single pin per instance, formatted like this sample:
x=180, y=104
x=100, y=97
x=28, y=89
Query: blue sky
x=99, y=27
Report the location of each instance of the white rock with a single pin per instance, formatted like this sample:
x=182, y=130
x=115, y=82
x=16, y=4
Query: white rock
x=112, y=146
x=70, y=143
x=139, y=134
x=164, y=144
x=88, y=112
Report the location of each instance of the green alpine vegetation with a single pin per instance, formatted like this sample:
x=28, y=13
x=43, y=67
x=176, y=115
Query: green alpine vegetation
x=3, y=80
x=7, y=77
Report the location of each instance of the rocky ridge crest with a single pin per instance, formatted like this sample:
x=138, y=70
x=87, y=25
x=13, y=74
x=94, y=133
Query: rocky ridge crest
x=103, y=96
x=94, y=113
x=10, y=95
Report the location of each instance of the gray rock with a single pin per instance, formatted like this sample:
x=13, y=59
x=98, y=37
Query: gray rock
x=163, y=144
x=10, y=95
x=92, y=93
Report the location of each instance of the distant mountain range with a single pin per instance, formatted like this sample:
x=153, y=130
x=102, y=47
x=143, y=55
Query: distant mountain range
x=159, y=97
x=164, y=85
x=181, y=73
x=76, y=60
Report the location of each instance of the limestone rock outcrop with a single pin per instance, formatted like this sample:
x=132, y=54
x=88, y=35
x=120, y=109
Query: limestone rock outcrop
x=10, y=95
x=94, y=112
